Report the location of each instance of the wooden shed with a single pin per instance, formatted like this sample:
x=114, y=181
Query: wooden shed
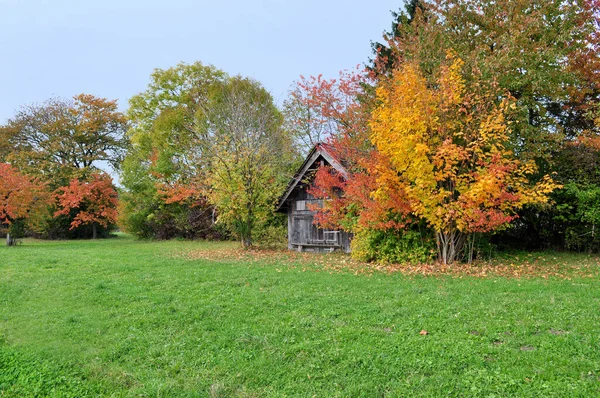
x=303, y=234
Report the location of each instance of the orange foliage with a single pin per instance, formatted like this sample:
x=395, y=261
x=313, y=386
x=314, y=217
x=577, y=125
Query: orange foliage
x=191, y=193
x=95, y=200
x=21, y=196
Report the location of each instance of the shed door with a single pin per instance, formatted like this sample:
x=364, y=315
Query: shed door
x=301, y=228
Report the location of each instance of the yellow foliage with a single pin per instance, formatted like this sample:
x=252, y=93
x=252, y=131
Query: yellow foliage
x=447, y=148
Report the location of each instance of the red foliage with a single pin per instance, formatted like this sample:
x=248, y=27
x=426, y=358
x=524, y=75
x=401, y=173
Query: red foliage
x=94, y=200
x=350, y=202
x=20, y=194
x=341, y=103
x=346, y=103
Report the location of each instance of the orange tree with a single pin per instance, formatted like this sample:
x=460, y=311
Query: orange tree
x=22, y=198
x=91, y=202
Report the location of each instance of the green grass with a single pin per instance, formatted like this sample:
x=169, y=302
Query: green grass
x=119, y=317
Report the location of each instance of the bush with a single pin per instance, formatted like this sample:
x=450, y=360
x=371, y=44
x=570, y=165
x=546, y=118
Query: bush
x=17, y=229
x=59, y=227
x=169, y=221
x=570, y=223
x=273, y=233
x=409, y=246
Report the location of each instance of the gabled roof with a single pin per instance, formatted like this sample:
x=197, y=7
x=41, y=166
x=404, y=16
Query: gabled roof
x=319, y=150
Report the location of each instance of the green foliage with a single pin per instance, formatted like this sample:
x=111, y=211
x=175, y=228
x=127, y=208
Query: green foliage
x=272, y=233
x=17, y=228
x=571, y=223
x=203, y=141
x=581, y=216
x=410, y=246
x=483, y=248
x=163, y=119
x=147, y=219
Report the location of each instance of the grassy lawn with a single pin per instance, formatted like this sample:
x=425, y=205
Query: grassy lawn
x=119, y=317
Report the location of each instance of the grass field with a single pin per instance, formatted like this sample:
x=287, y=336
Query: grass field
x=119, y=317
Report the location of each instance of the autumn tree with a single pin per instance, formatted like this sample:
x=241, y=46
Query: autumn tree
x=448, y=149
x=90, y=202
x=326, y=110
x=313, y=108
x=62, y=139
x=22, y=198
x=345, y=103
x=342, y=105
x=537, y=69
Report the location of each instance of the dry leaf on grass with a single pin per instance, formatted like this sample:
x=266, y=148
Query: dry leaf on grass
x=539, y=267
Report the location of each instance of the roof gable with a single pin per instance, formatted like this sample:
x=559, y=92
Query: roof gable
x=319, y=150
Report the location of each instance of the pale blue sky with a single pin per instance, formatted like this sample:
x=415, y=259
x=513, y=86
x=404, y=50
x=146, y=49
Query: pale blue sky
x=109, y=47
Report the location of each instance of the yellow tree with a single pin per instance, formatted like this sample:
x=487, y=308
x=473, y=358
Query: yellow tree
x=446, y=146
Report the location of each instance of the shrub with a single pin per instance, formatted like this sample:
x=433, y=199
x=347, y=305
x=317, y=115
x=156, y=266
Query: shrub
x=409, y=246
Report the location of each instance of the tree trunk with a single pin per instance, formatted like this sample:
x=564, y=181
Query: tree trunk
x=450, y=245
x=247, y=235
x=10, y=241
x=471, y=248
x=94, y=231
x=248, y=226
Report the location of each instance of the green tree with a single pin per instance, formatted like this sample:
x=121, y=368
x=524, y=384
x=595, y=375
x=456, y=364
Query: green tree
x=240, y=137
x=203, y=144
x=162, y=156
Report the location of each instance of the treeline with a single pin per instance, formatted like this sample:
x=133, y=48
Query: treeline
x=474, y=128
x=200, y=154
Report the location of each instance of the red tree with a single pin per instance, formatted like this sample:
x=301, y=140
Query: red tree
x=94, y=201
x=21, y=197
